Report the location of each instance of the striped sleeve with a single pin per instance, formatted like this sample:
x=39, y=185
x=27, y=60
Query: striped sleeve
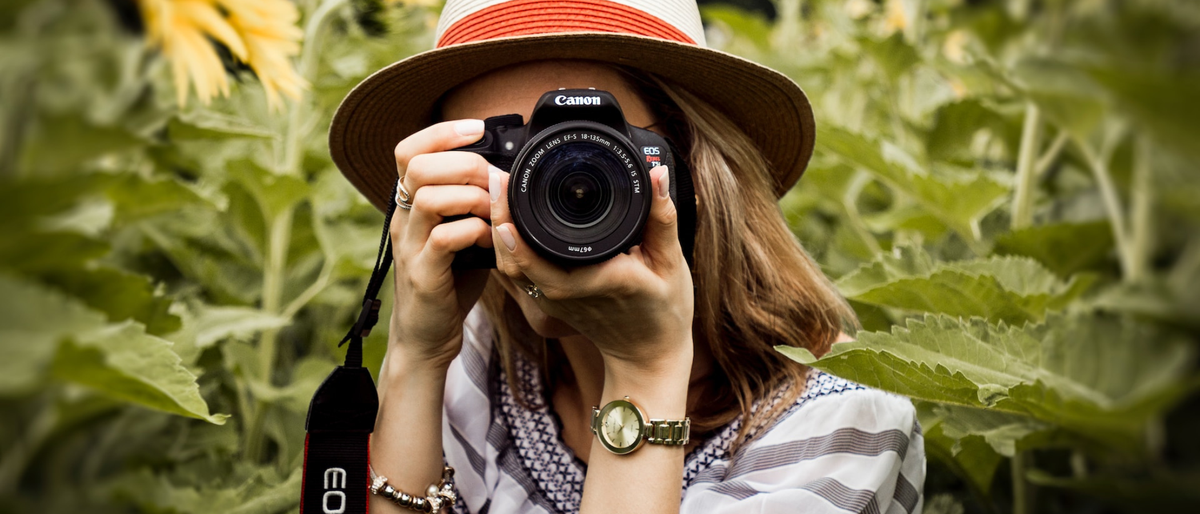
x=859, y=451
x=467, y=418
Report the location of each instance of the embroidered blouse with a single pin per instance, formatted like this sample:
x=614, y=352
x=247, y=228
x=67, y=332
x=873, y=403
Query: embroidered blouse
x=841, y=447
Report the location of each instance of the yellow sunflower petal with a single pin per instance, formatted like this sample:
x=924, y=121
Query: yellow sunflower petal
x=205, y=16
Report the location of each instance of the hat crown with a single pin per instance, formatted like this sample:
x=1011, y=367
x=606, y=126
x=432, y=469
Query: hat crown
x=464, y=21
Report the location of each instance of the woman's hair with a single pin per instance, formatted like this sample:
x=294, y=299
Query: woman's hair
x=755, y=285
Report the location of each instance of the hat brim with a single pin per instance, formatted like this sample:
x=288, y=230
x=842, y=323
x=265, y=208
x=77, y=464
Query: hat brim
x=398, y=100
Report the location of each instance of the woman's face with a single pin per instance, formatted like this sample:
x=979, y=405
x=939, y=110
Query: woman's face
x=515, y=90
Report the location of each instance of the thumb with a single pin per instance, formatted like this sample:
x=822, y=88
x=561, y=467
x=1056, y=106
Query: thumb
x=660, y=239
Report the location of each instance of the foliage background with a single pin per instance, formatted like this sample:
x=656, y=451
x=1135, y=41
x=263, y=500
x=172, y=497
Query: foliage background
x=1006, y=191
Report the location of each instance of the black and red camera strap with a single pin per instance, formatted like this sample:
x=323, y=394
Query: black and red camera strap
x=342, y=413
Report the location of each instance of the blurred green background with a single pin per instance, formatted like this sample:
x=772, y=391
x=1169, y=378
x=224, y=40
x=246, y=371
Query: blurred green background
x=1006, y=192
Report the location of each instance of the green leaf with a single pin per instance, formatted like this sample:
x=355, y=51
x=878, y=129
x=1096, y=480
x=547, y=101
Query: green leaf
x=1011, y=289
x=970, y=457
x=136, y=197
x=61, y=143
x=124, y=362
x=206, y=124
x=893, y=55
x=958, y=198
x=1066, y=95
x=205, y=325
x=956, y=124
x=48, y=252
x=119, y=294
x=33, y=319
x=274, y=192
x=1065, y=248
x=1098, y=376
x=1163, y=103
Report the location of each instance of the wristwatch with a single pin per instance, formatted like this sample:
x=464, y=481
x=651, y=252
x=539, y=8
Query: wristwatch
x=622, y=427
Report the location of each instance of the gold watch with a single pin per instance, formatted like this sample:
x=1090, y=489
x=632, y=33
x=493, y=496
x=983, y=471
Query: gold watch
x=622, y=427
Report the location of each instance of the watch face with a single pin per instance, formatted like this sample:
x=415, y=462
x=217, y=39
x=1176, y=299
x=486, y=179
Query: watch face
x=621, y=427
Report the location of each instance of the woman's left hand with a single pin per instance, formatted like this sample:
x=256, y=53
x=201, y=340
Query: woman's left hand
x=636, y=307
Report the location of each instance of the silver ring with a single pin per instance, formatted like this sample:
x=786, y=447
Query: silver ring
x=405, y=201
x=533, y=291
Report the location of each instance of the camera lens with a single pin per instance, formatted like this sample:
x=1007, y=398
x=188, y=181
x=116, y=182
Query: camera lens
x=580, y=184
x=580, y=197
x=578, y=193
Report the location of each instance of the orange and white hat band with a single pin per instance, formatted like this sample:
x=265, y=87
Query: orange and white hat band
x=464, y=21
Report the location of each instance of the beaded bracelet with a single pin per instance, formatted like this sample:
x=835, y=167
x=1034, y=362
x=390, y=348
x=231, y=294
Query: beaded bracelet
x=437, y=496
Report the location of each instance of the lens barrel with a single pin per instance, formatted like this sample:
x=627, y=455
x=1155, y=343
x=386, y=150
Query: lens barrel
x=579, y=193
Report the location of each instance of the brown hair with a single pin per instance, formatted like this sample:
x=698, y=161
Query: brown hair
x=756, y=287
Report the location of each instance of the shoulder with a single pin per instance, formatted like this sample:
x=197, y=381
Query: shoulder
x=841, y=446
x=831, y=405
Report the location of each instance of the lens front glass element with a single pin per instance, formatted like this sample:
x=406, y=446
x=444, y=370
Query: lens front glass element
x=581, y=184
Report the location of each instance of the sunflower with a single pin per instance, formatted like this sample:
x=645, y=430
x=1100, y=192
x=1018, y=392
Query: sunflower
x=261, y=33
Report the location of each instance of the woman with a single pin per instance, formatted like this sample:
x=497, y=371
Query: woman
x=496, y=373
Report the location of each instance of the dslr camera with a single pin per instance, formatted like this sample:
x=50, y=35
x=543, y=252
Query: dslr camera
x=579, y=187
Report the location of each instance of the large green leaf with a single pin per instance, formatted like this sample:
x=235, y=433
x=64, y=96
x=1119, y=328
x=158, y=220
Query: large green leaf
x=1101, y=377
x=1011, y=289
x=971, y=457
x=33, y=319
x=119, y=294
x=1164, y=103
x=124, y=362
x=956, y=124
x=1065, y=248
x=205, y=325
x=959, y=198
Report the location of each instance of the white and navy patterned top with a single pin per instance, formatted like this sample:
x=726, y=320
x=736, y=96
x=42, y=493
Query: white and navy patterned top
x=841, y=447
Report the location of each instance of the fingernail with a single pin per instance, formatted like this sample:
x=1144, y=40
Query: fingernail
x=664, y=183
x=469, y=127
x=507, y=237
x=494, y=183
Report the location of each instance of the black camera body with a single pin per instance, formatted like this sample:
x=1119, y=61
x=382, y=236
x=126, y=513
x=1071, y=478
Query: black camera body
x=579, y=187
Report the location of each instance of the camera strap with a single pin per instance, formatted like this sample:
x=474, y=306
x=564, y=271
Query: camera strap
x=342, y=413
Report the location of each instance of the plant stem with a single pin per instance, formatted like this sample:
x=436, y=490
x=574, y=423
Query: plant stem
x=1112, y=204
x=1031, y=139
x=273, y=278
x=850, y=203
x=1141, y=244
x=275, y=268
x=1051, y=153
x=1021, y=497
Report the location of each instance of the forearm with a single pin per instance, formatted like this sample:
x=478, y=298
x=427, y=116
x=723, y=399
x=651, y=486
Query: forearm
x=651, y=478
x=407, y=444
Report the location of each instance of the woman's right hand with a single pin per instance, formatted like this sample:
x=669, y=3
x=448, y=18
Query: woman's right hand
x=431, y=301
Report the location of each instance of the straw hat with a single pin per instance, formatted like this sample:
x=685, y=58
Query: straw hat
x=474, y=37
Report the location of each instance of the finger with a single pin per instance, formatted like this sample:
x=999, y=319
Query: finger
x=660, y=239
x=464, y=168
x=448, y=238
x=432, y=204
x=439, y=137
x=514, y=257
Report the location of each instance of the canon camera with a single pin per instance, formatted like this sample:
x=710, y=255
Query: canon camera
x=579, y=187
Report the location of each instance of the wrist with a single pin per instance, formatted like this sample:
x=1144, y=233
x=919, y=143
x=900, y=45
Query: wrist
x=672, y=362
x=403, y=369
x=659, y=385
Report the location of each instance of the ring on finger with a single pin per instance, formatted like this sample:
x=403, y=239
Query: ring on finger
x=533, y=291
x=403, y=197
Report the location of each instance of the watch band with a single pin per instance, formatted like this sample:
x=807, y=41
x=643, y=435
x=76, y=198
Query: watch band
x=668, y=432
